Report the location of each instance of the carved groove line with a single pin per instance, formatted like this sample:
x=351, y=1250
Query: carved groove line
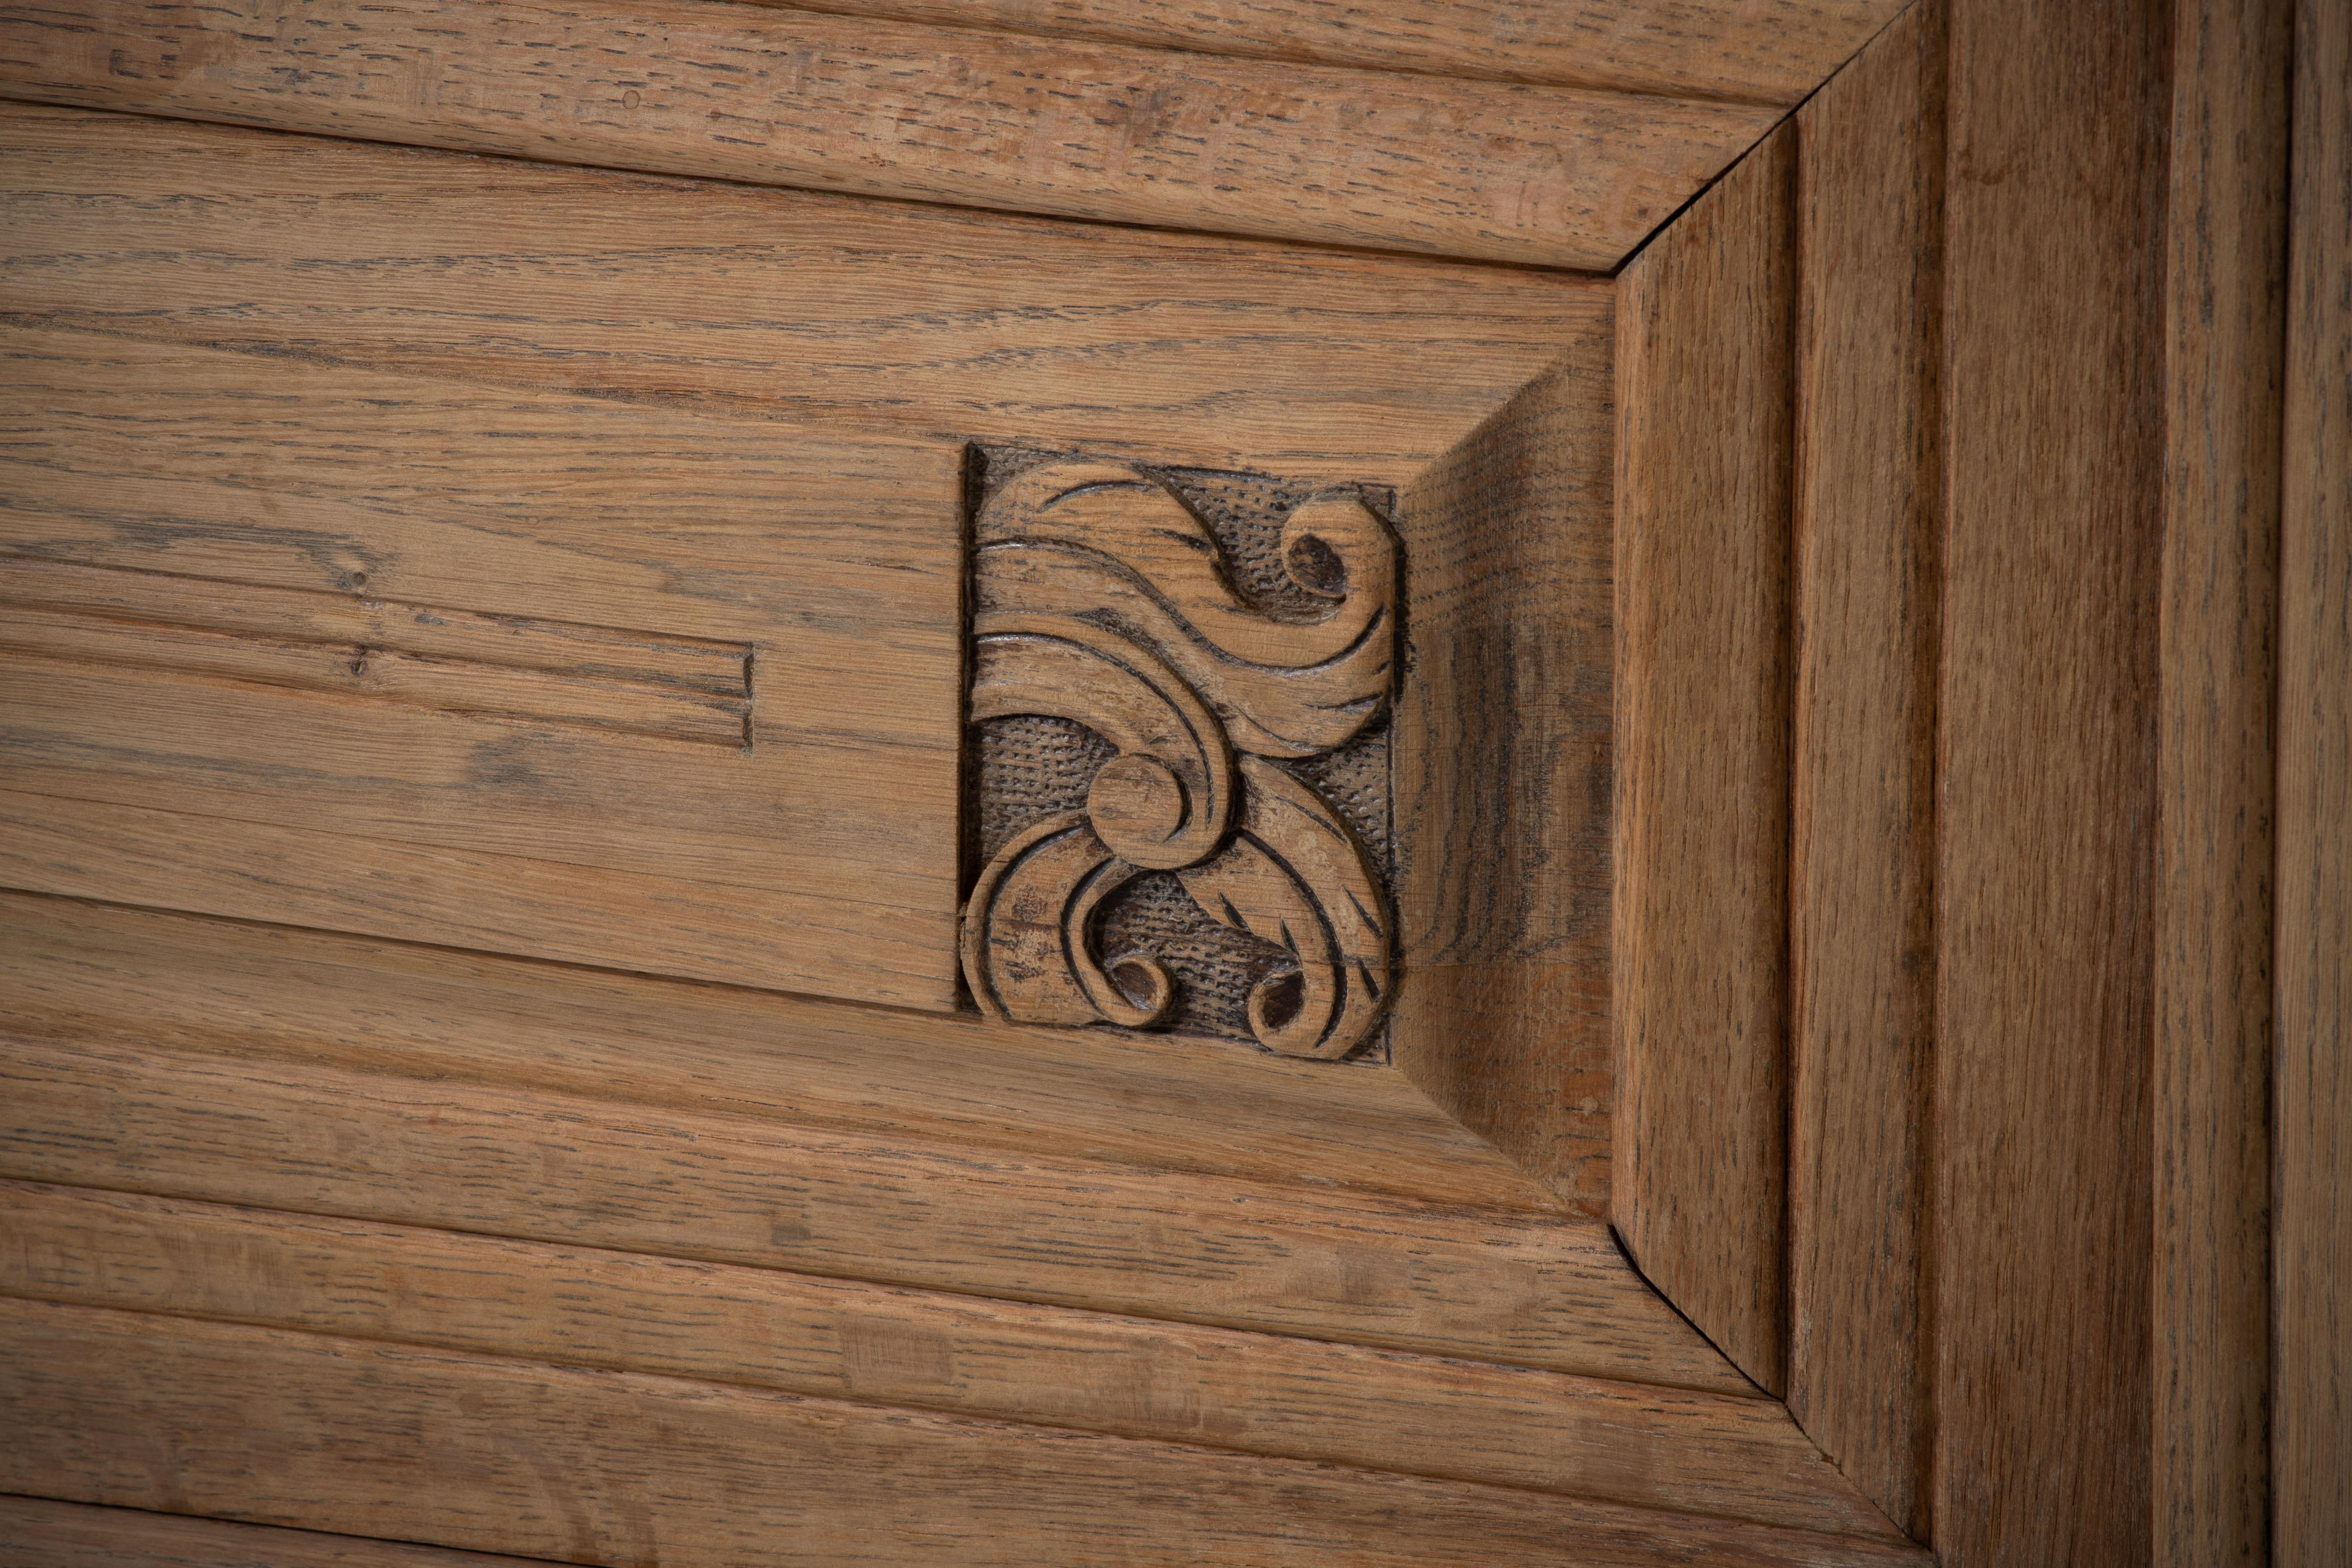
x=1103, y=599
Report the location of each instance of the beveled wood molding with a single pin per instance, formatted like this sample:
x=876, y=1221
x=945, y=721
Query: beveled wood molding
x=1731, y=50
x=1102, y=600
x=1393, y=158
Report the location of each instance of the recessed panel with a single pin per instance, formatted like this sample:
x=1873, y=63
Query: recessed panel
x=564, y=677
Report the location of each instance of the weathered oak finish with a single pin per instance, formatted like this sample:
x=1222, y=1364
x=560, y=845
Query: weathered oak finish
x=1517, y=1289
x=1739, y=1458
x=382, y=1007
x=1730, y=49
x=1178, y=1106
x=1560, y=176
x=1310, y=364
x=2049, y=703
x=814, y=851
x=602, y=1467
x=36, y=1532
x=2225, y=288
x=1862, y=936
x=1706, y=342
x=2311, y=1417
x=1502, y=769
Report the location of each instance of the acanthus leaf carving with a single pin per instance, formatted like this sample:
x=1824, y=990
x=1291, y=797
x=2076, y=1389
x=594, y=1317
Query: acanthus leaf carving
x=1102, y=598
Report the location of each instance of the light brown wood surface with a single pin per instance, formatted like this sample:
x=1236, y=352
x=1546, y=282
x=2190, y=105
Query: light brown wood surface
x=1738, y=1458
x=2048, y=829
x=1502, y=769
x=1311, y=364
x=1172, y=1105
x=1862, y=938
x=539, y=1166
x=1772, y=53
x=1558, y=176
x=493, y=1453
x=36, y=1532
x=1705, y=340
x=2225, y=310
x=2311, y=1415
x=815, y=850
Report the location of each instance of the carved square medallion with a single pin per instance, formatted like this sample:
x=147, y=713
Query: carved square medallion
x=1179, y=726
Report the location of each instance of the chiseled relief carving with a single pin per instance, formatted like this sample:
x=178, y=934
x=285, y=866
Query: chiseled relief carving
x=1180, y=693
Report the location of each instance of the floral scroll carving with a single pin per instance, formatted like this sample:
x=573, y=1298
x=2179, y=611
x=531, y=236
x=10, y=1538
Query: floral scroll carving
x=1101, y=597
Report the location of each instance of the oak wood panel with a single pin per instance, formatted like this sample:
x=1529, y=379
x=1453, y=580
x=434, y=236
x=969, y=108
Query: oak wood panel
x=1558, y=176
x=1523, y=1291
x=428, y=893
x=622, y=1468
x=2311, y=1416
x=1861, y=921
x=71, y=968
x=1311, y=364
x=818, y=851
x=40, y=1532
x=1649, y=1448
x=1772, y=53
x=2046, y=875
x=2224, y=323
x=1705, y=347
x=679, y=689
x=1502, y=769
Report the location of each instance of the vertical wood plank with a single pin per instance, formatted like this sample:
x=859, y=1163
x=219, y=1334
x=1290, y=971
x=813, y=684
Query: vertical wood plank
x=1704, y=342
x=2312, y=1415
x=2048, y=811
x=2223, y=341
x=1862, y=937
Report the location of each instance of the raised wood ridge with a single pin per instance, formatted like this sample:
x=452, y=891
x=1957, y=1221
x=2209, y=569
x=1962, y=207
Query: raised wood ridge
x=596, y=1465
x=1318, y=366
x=1774, y=53
x=1552, y=176
x=1645, y=1447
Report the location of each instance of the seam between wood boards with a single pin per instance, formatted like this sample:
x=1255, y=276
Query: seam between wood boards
x=428, y=846
x=1892, y=1535
x=1578, y=84
x=457, y=1553
x=1676, y=216
x=1019, y=215
x=1923, y=1110
x=200, y=1058
x=942, y=1411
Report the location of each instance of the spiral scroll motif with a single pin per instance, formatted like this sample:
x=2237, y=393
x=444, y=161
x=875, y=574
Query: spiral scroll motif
x=1102, y=598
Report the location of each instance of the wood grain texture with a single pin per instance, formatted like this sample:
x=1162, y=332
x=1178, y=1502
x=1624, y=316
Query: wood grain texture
x=38, y=1532
x=1502, y=769
x=421, y=656
x=1706, y=341
x=2225, y=338
x=265, y=992
x=1862, y=934
x=2049, y=816
x=2311, y=1416
x=620, y=1467
x=1227, y=353
x=1556, y=176
x=1773, y=53
x=817, y=852
x=1648, y=1448
x=1520, y=1290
